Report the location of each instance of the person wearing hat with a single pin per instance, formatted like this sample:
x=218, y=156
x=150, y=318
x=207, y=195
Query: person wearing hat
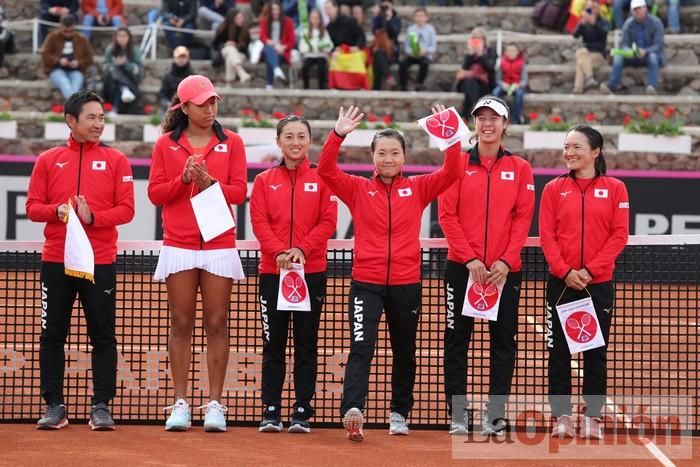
x=644, y=35
x=194, y=153
x=179, y=70
x=485, y=217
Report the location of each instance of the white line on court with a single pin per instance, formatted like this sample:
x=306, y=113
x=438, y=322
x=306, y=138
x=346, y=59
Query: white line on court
x=648, y=444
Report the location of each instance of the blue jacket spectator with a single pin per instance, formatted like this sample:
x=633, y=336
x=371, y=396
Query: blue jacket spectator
x=644, y=35
x=179, y=14
x=213, y=12
x=54, y=10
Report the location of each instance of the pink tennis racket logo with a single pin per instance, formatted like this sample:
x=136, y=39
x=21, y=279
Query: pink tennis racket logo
x=482, y=297
x=293, y=288
x=443, y=125
x=581, y=327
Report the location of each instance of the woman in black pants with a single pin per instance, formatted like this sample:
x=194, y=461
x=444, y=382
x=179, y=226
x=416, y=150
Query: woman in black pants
x=477, y=76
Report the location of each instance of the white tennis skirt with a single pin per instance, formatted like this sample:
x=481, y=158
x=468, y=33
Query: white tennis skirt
x=223, y=262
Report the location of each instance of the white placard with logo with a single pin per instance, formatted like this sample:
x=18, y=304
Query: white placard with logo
x=481, y=300
x=212, y=212
x=445, y=128
x=580, y=324
x=293, y=294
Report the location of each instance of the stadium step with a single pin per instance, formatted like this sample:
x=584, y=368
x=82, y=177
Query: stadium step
x=675, y=79
x=402, y=106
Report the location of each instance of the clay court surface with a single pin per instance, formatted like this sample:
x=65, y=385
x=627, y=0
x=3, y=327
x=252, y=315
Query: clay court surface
x=76, y=445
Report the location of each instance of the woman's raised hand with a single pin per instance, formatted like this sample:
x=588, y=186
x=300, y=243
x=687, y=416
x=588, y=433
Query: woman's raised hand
x=348, y=120
x=438, y=109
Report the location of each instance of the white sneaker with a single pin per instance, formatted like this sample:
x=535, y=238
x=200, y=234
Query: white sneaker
x=397, y=424
x=214, y=419
x=279, y=74
x=180, y=418
x=564, y=428
x=591, y=428
x=127, y=95
x=353, y=422
x=459, y=427
x=269, y=87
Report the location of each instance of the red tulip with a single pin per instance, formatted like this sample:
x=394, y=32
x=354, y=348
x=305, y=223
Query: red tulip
x=627, y=120
x=278, y=115
x=669, y=111
x=591, y=117
x=107, y=106
x=387, y=120
x=533, y=116
x=645, y=114
x=148, y=108
x=246, y=112
x=555, y=119
x=57, y=108
x=257, y=117
x=372, y=118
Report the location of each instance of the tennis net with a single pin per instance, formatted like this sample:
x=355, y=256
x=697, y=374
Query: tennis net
x=653, y=343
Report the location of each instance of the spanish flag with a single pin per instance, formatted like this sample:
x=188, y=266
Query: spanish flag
x=349, y=70
x=78, y=257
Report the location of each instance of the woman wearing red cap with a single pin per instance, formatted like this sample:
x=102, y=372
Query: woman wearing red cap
x=584, y=226
x=386, y=210
x=485, y=217
x=293, y=217
x=194, y=153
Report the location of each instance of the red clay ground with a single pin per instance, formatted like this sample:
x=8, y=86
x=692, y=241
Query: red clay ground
x=150, y=445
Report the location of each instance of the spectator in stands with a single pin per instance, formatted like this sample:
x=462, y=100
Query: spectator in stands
x=102, y=13
x=179, y=70
x=66, y=56
x=277, y=33
x=420, y=46
x=7, y=37
x=343, y=29
x=386, y=27
x=353, y=8
x=291, y=10
x=315, y=44
x=476, y=78
x=511, y=79
x=213, y=12
x=123, y=70
x=54, y=10
x=593, y=30
x=178, y=14
x=231, y=41
x=644, y=35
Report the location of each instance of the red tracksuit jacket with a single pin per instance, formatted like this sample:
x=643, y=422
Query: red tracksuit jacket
x=487, y=214
x=584, y=228
x=225, y=158
x=292, y=208
x=387, y=217
x=100, y=173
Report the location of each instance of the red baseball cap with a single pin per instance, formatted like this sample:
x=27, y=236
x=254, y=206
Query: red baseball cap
x=196, y=89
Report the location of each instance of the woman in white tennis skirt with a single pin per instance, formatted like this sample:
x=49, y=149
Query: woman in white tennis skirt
x=194, y=154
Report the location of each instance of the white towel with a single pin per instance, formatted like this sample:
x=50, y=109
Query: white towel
x=78, y=257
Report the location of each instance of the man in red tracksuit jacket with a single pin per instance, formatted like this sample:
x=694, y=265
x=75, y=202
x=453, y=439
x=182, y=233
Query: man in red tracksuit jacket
x=98, y=181
x=485, y=217
x=386, y=211
x=293, y=215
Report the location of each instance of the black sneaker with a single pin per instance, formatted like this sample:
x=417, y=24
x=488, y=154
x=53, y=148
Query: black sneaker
x=55, y=418
x=272, y=422
x=100, y=419
x=300, y=421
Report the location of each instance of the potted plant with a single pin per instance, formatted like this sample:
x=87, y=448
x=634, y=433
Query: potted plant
x=8, y=126
x=109, y=132
x=654, y=133
x=151, y=129
x=546, y=132
x=363, y=135
x=257, y=130
x=55, y=127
